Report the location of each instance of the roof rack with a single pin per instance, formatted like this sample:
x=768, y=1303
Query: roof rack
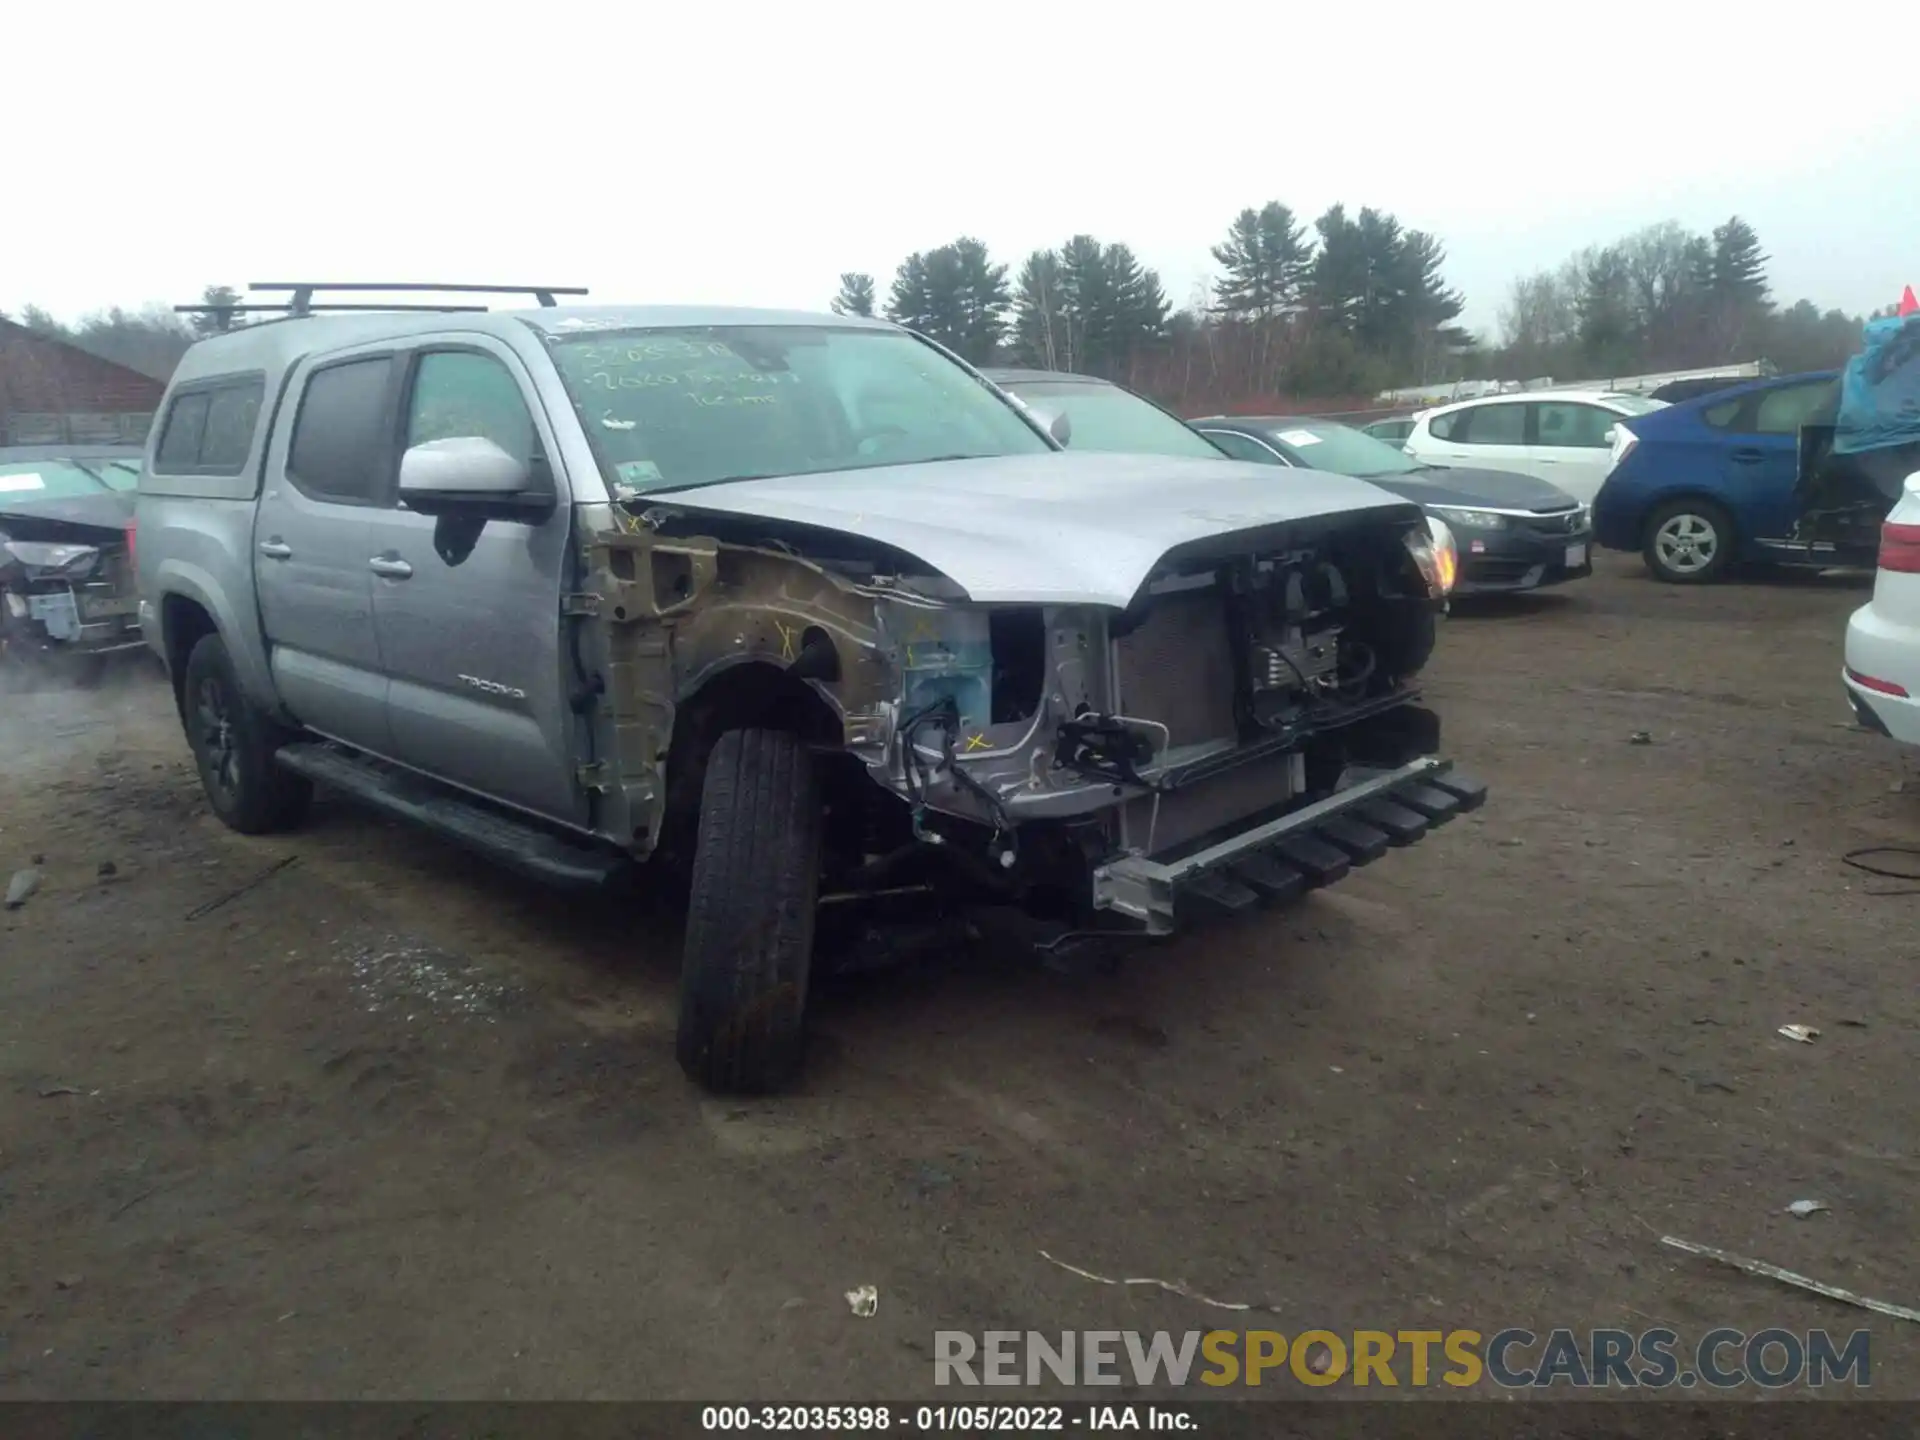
x=289, y=311
x=303, y=293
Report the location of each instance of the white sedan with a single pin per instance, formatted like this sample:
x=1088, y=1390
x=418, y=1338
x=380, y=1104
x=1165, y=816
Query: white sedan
x=1564, y=437
x=1882, y=672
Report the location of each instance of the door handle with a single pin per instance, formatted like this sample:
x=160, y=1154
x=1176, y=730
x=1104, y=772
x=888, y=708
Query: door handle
x=1749, y=456
x=390, y=567
x=276, y=549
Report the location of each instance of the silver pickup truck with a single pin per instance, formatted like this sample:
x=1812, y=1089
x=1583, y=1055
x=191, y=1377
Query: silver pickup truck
x=798, y=609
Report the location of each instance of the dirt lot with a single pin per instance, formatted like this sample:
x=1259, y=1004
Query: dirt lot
x=389, y=1124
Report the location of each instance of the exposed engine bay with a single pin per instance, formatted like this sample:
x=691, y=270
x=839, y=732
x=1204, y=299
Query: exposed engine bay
x=1031, y=743
x=1227, y=667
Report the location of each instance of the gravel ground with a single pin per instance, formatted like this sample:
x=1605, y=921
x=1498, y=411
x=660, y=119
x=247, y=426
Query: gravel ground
x=391, y=1124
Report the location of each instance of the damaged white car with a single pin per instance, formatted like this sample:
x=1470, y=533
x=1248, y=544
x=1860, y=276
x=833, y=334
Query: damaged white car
x=797, y=609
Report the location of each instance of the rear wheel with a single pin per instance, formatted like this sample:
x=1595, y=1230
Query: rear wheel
x=750, y=915
x=1688, y=542
x=233, y=743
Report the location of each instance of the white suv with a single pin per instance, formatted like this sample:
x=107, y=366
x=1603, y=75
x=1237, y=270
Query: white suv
x=1882, y=673
x=1564, y=437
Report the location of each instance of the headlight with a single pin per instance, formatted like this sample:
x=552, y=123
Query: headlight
x=55, y=558
x=1446, y=554
x=1471, y=519
x=1436, y=555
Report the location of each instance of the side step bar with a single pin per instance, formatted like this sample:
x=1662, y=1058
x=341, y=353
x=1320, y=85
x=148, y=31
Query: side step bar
x=1282, y=859
x=515, y=844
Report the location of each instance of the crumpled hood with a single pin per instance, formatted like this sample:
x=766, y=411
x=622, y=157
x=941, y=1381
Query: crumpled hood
x=109, y=513
x=1501, y=489
x=1062, y=528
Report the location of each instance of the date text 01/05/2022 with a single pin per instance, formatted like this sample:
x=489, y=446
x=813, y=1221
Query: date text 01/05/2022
x=933, y=1419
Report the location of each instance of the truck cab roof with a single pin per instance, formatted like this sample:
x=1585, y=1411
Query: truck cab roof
x=275, y=345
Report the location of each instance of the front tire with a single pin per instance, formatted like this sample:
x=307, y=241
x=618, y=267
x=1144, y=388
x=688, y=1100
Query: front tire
x=750, y=915
x=233, y=743
x=1688, y=542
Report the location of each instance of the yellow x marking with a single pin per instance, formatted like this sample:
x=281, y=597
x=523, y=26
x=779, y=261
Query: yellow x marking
x=787, y=632
x=977, y=742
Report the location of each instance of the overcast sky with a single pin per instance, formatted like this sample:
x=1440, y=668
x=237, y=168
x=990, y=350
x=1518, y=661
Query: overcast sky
x=749, y=152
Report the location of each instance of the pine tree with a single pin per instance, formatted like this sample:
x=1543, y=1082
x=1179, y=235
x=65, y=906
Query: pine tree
x=41, y=323
x=1084, y=282
x=983, y=300
x=1138, y=320
x=1337, y=287
x=1040, y=318
x=856, y=294
x=223, y=318
x=916, y=300
x=954, y=295
x=1263, y=260
x=1738, y=270
x=1607, y=322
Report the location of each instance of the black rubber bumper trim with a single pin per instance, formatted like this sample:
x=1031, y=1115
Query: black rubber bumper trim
x=1321, y=862
x=1402, y=826
x=1276, y=883
x=1343, y=832
x=1439, y=806
x=1470, y=791
x=1363, y=843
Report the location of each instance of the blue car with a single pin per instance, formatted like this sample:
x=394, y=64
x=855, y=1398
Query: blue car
x=1709, y=483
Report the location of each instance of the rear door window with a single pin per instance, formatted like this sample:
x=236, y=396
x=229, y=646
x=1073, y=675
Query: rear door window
x=1725, y=415
x=1564, y=423
x=339, y=450
x=1491, y=425
x=1784, y=411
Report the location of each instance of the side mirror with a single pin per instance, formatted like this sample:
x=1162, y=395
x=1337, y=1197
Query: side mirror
x=464, y=466
x=1060, y=427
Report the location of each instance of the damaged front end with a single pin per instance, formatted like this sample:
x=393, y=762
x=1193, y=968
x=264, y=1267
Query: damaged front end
x=1140, y=762
x=65, y=591
x=1244, y=728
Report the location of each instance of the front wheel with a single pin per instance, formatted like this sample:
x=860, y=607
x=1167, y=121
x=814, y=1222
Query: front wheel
x=233, y=742
x=1688, y=542
x=750, y=915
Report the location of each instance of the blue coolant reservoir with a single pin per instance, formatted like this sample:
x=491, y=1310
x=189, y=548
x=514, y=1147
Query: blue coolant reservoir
x=949, y=653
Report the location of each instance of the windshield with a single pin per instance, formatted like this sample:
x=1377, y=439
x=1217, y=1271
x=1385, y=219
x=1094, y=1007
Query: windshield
x=22, y=482
x=671, y=408
x=1105, y=417
x=1323, y=445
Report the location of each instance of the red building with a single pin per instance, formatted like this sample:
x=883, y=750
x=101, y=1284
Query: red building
x=53, y=393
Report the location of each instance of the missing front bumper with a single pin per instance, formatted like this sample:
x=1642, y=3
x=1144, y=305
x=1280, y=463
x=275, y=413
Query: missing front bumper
x=1284, y=858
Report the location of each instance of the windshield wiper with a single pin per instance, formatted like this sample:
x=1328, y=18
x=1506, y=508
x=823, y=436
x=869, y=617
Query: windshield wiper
x=703, y=484
x=92, y=474
x=797, y=474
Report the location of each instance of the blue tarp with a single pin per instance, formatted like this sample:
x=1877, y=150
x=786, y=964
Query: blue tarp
x=1880, y=389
